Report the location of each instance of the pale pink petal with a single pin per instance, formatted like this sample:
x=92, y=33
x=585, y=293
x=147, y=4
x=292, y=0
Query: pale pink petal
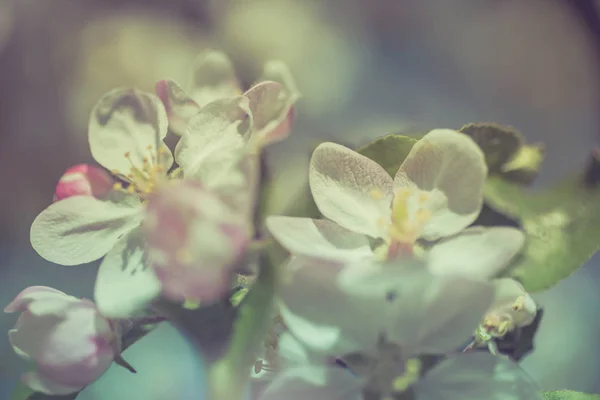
x=179, y=106
x=125, y=283
x=213, y=78
x=436, y=315
x=195, y=240
x=126, y=126
x=477, y=376
x=318, y=238
x=270, y=105
x=350, y=189
x=214, y=141
x=475, y=253
x=83, y=179
x=78, y=350
x=32, y=293
x=452, y=167
x=278, y=71
x=39, y=383
x=314, y=382
x=81, y=229
x=30, y=332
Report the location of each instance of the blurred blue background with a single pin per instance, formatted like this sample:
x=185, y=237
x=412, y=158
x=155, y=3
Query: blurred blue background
x=365, y=68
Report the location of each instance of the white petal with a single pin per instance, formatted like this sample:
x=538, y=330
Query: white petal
x=125, y=282
x=436, y=315
x=477, y=252
x=322, y=315
x=451, y=166
x=314, y=383
x=213, y=78
x=477, y=376
x=214, y=139
x=179, y=106
x=270, y=108
x=350, y=189
x=81, y=229
x=318, y=238
x=30, y=333
x=128, y=121
x=507, y=292
x=40, y=384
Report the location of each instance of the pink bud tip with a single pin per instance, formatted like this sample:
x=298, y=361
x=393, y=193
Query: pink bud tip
x=83, y=180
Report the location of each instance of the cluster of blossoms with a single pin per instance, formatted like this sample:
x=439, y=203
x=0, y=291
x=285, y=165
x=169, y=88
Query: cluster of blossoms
x=392, y=275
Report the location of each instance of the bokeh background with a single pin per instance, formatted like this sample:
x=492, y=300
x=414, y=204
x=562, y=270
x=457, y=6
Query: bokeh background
x=365, y=68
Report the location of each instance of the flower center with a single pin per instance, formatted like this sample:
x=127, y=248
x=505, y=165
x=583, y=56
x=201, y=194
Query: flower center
x=387, y=373
x=143, y=180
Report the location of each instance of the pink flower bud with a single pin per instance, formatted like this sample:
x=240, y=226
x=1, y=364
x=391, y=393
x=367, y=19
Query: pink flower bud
x=194, y=240
x=83, y=180
x=70, y=343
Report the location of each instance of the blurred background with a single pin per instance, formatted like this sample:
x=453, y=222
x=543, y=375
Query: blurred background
x=365, y=68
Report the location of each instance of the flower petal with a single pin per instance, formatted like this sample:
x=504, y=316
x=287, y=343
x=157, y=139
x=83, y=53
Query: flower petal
x=507, y=292
x=83, y=179
x=79, y=349
x=81, y=229
x=38, y=383
x=318, y=238
x=350, y=189
x=314, y=382
x=124, y=125
x=436, y=315
x=214, y=140
x=195, y=240
x=322, y=315
x=31, y=294
x=213, y=78
x=125, y=282
x=451, y=166
x=179, y=106
x=278, y=71
x=476, y=253
x=476, y=376
x=28, y=336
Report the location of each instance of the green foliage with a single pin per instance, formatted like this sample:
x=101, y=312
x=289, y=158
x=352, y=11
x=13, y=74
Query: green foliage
x=506, y=153
x=562, y=224
x=569, y=395
x=389, y=151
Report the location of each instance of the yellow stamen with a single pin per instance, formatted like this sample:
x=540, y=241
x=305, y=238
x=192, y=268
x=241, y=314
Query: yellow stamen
x=411, y=375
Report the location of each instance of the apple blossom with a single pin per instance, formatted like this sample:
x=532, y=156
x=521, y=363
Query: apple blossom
x=436, y=194
x=213, y=78
x=68, y=340
x=378, y=320
x=126, y=133
x=195, y=240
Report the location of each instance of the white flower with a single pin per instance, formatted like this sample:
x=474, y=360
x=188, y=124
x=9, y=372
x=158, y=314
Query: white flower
x=213, y=78
x=69, y=341
x=377, y=320
x=511, y=309
x=126, y=133
x=437, y=192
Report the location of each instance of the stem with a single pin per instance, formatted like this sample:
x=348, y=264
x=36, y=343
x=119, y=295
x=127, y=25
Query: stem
x=227, y=377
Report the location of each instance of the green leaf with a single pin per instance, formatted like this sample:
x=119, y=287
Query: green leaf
x=561, y=223
x=569, y=395
x=389, y=151
x=506, y=153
